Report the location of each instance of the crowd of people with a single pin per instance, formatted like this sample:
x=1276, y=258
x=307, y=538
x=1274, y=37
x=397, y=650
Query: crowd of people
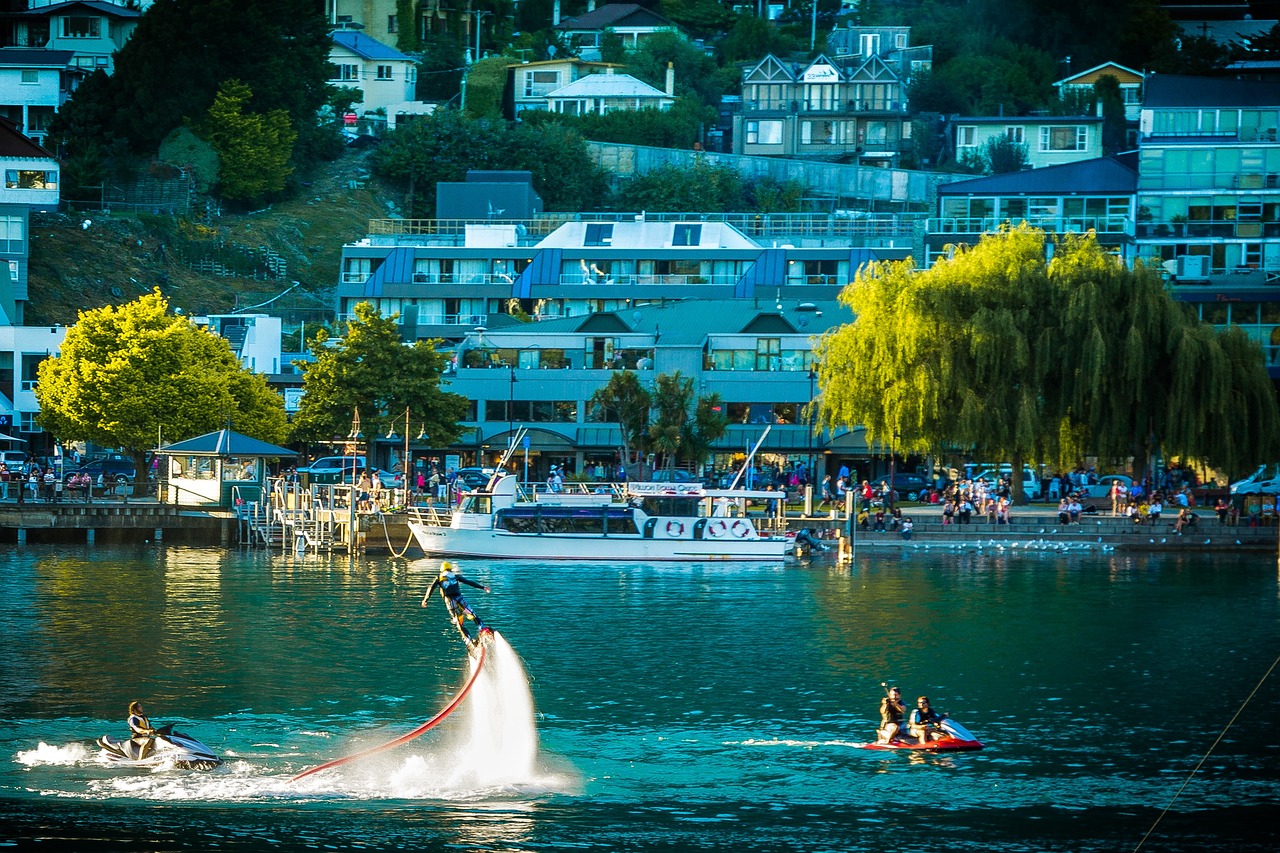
x=36, y=483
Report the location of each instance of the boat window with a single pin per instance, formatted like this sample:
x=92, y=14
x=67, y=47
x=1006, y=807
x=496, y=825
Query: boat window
x=478, y=504
x=670, y=507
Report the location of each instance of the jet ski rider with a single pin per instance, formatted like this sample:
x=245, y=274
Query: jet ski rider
x=449, y=583
x=891, y=713
x=140, y=730
x=924, y=722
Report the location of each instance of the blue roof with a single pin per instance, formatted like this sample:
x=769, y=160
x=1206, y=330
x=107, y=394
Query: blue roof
x=369, y=48
x=1107, y=175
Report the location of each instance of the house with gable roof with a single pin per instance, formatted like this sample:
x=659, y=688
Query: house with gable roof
x=824, y=109
x=92, y=30
x=385, y=77
x=531, y=82
x=607, y=93
x=1130, y=85
x=632, y=22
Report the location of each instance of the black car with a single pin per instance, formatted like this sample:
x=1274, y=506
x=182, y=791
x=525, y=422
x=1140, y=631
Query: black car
x=113, y=469
x=912, y=487
x=470, y=479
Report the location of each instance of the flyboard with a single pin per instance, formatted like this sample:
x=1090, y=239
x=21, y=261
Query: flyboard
x=955, y=738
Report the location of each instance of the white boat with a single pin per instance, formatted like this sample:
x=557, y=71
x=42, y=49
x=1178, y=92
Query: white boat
x=647, y=522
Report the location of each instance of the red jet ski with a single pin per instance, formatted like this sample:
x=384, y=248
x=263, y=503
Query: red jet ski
x=955, y=737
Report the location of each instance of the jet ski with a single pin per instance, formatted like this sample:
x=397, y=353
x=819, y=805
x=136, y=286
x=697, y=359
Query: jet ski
x=955, y=737
x=167, y=747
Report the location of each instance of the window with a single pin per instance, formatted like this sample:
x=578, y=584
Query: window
x=965, y=136
x=30, y=75
x=28, y=179
x=686, y=235
x=12, y=238
x=869, y=44
x=1016, y=134
x=764, y=133
x=599, y=235
x=540, y=82
x=1065, y=138
x=81, y=27
x=346, y=73
x=768, y=353
x=385, y=72
x=391, y=23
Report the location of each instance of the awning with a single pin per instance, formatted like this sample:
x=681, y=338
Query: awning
x=10, y=438
x=539, y=439
x=608, y=437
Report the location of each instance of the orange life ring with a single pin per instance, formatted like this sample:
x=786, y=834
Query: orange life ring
x=717, y=528
x=675, y=528
x=740, y=529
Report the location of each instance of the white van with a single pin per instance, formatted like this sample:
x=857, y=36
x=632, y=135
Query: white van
x=13, y=460
x=1030, y=481
x=1264, y=481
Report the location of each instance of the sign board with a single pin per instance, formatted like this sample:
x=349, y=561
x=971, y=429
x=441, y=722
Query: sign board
x=292, y=399
x=664, y=488
x=525, y=442
x=821, y=74
x=452, y=462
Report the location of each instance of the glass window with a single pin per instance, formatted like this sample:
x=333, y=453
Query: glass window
x=768, y=353
x=77, y=27
x=686, y=235
x=599, y=234
x=30, y=75
x=30, y=179
x=764, y=132
x=1064, y=138
x=965, y=136
x=384, y=72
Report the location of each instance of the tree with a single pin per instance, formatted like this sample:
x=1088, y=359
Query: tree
x=1000, y=351
x=752, y=38
x=406, y=26
x=254, y=148
x=1107, y=92
x=130, y=373
x=701, y=186
x=628, y=403
x=708, y=425
x=672, y=399
x=486, y=81
x=372, y=370
x=694, y=70
x=1003, y=155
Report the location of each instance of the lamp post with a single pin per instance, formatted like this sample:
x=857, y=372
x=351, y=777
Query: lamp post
x=813, y=377
x=480, y=15
x=404, y=460
x=892, y=463
x=511, y=408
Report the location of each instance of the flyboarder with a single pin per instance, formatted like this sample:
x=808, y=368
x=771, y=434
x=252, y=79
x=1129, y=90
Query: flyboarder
x=450, y=585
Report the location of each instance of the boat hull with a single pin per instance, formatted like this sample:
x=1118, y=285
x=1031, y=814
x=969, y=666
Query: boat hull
x=500, y=544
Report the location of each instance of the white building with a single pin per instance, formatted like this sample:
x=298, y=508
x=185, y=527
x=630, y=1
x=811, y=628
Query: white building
x=607, y=93
x=385, y=77
x=34, y=83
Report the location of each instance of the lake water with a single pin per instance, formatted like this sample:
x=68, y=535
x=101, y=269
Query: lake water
x=711, y=707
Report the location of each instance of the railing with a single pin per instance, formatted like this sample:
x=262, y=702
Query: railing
x=1054, y=224
x=842, y=107
x=1248, y=134
x=1230, y=228
x=1234, y=180
x=680, y=280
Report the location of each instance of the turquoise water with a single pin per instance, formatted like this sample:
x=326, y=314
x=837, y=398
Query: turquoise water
x=715, y=707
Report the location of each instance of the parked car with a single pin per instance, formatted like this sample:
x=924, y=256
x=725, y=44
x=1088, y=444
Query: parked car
x=1101, y=490
x=116, y=468
x=1030, y=481
x=912, y=487
x=14, y=460
x=333, y=465
x=473, y=478
x=1264, y=481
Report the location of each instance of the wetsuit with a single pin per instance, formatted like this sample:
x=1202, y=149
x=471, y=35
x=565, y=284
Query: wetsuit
x=449, y=584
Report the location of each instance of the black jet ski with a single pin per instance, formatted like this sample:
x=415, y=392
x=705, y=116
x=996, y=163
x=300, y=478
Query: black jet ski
x=166, y=747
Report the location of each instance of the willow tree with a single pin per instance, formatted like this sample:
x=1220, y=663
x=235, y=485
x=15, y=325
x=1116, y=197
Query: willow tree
x=1145, y=376
x=1000, y=351
x=372, y=370
x=955, y=355
x=127, y=374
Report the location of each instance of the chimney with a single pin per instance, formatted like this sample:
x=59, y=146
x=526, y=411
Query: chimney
x=671, y=79
x=591, y=5
x=555, y=14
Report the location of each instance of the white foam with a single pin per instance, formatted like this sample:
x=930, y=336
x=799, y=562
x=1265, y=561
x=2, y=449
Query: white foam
x=44, y=754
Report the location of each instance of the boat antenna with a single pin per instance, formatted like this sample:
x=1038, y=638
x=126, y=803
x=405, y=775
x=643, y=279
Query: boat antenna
x=516, y=441
x=750, y=456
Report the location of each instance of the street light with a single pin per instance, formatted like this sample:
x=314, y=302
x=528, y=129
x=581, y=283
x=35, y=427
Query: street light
x=480, y=14
x=813, y=376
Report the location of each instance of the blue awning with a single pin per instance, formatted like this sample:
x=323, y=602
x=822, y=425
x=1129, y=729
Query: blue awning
x=769, y=270
x=396, y=269
x=544, y=269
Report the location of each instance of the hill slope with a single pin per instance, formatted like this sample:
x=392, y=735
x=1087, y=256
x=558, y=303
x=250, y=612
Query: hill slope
x=115, y=259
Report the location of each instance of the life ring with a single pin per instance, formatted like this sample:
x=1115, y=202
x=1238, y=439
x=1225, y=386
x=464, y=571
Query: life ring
x=675, y=529
x=740, y=529
x=717, y=528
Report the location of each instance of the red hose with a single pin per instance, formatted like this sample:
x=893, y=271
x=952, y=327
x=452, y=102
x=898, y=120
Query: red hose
x=405, y=738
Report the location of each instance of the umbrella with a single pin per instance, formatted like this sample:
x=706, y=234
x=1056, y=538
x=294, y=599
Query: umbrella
x=4, y=437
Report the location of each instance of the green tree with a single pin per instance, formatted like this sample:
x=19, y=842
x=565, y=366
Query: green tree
x=701, y=186
x=624, y=400
x=407, y=26
x=751, y=38
x=440, y=73
x=673, y=397
x=372, y=370
x=708, y=425
x=184, y=149
x=1107, y=92
x=254, y=148
x=486, y=81
x=612, y=48
x=129, y=373
x=1016, y=357
x=695, y=72
x=1003, y=155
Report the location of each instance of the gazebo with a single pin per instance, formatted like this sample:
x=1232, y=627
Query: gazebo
x=218, y=468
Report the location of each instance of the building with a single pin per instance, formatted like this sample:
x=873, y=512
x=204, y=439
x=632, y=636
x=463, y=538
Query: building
x=531, y=82
x=1209, y=178
x=91, y=29
x=34, y=84
x=377, y=19
x=630, y=22
x=849, y=103
x=597, y=94
x=1048, y=140
x=1130, y=86
x=385, y=77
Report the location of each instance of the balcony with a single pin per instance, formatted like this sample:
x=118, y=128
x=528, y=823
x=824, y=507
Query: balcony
x=1225, y=229
x=1051, y=224
x=580, y=279
x=1234, y=180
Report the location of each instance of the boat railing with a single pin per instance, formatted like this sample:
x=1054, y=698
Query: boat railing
x=531, y=491
x=429, y=516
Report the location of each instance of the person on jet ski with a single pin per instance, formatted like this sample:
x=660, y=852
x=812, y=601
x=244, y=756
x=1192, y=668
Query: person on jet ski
x=891, y=713
x=140, y=730
x=449, y=583
x=925, y=723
